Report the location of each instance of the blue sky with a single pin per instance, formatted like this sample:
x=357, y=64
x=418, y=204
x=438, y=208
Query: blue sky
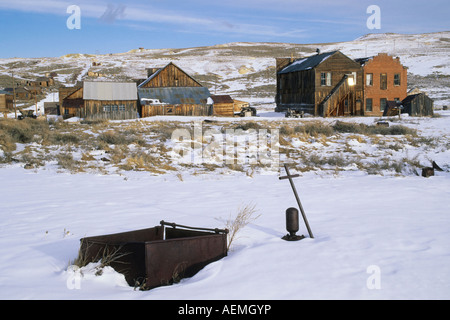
x=38, y=28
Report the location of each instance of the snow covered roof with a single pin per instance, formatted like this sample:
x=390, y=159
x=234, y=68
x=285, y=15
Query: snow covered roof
x=307, y=63
x=109, y=90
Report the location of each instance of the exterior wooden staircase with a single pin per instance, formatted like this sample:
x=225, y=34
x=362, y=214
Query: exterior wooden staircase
x=330, y=105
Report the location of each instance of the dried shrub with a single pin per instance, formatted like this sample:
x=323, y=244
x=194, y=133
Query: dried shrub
x=244, y=216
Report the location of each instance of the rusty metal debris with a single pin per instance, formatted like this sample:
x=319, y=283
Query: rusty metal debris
x=157, y=256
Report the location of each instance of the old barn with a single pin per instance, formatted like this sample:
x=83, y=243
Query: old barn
x=418, y=105
x=325, y=84
x=102, y=100
x=171, y=91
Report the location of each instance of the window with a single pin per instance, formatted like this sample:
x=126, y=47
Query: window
x=114, y=108
x=325, y=79
x=397, y=79
x=107, y=108
x=383, y=81
x=121, y=107
x=369, y=104
x=369, y=79
x=383, y=102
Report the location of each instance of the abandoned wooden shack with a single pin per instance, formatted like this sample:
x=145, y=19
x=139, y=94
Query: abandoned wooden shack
x=385, y=79
x=21, y=93
x=65, y=109
x=171, y=91
x=325, y=84
x=102, y=100
x=6, y=102
x=224, y=105
x=419, y=104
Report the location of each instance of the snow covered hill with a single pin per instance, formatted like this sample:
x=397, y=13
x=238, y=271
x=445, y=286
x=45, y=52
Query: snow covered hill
x=247, y=70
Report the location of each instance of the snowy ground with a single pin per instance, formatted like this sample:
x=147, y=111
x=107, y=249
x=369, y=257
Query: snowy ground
x=376, y=237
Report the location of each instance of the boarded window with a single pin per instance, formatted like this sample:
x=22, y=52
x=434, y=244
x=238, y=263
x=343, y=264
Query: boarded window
x=369, y=104
x=383, y=81
x=369, y=79
x=397, y=79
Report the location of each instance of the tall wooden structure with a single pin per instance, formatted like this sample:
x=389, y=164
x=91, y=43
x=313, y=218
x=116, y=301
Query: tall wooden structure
x=171, y=91
x=6, y=102
x=325, y=84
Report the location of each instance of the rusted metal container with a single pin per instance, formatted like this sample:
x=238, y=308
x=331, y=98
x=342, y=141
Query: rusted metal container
x=157, y=256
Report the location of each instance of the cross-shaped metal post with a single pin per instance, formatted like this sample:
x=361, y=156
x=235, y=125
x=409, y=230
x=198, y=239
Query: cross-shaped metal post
x=289, y=176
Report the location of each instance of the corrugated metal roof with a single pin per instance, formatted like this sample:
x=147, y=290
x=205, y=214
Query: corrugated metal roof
x=175, y=95
x=307, y=63
x=109, y=90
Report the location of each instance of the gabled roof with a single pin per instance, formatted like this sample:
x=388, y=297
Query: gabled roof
x=154, y=75
x=175, y=95
x=109, y=90
x=307, y=63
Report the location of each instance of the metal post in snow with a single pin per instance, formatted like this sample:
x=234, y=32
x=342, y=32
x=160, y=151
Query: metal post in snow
x=289, y=176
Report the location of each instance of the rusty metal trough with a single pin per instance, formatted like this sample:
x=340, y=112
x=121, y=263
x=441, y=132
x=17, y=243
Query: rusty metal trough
x=157, y=256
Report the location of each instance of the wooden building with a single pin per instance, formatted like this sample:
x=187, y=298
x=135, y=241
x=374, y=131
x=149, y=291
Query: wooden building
x=21, y=93
x=6, y=102
x=385, y=79
x=325, y=84
x=226, y=106
x=102, y=100
x=171, y=91
x=41, y=82
x=418, y=105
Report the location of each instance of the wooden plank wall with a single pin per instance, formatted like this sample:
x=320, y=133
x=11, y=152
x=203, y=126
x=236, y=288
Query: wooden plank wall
x=296, y=88
x=224, y=109
x=171, y=76
x=6, y=102
x=178, y=110
x=93, y=110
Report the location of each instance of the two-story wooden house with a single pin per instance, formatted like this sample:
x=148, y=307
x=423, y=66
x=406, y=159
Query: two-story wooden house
x=325, y=84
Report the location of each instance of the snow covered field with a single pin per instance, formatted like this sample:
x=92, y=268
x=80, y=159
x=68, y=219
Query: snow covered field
x=376, y=237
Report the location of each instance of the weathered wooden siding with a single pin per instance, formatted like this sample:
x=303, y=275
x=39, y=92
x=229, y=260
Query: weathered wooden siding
x=418, y=105
x=6, y=102
x=340, y=65
x=223, y=109
x=303, y=90
x=95, y=109
x=296, y=88
x=176, y=110
x=171, y=76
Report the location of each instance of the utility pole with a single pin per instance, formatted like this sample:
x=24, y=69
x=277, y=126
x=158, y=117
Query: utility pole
x=14, y=95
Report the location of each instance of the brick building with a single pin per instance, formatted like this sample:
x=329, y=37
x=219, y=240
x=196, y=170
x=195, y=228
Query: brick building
x=385, y=79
